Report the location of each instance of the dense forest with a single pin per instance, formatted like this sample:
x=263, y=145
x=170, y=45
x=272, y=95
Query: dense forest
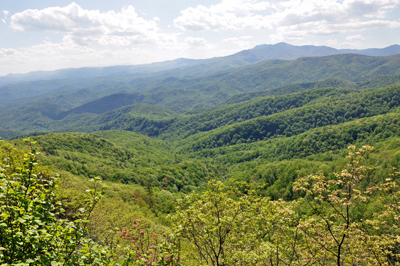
x=276, y=162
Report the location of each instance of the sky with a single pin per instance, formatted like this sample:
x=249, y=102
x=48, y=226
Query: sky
x=56, y=34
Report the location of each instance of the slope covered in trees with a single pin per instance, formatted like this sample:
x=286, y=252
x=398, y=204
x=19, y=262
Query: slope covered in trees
x=60, y=111
x=374, y=83
x=242, y=204
x=188, y=155
x=126, y=157
x=268, y=167
x=322, y=112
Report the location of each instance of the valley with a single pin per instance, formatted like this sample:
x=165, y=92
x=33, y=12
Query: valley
x=259, y=126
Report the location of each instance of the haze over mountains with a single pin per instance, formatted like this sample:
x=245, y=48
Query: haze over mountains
x=274, y=155
x=259, y=53
x=88, y=99
x=160, y=133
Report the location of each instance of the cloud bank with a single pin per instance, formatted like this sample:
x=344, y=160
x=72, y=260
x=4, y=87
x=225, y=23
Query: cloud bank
x=86, y=26
x=292, y=18
x=129, y=36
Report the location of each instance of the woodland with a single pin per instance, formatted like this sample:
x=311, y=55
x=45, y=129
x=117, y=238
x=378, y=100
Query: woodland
x=241, y=160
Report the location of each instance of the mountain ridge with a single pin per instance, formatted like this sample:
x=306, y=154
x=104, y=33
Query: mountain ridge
x=249, y=56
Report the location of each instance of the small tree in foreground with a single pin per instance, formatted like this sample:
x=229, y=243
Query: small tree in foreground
x=146, y=247
x=386, y=224
x=31, y=230
x=227, y=226
x=334, y=227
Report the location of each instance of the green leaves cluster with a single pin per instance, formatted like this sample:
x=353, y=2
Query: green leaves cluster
x=35, y=229
x=334, y=226
x=232, y=225
x=32, y=231
x=323, y=111
x=125, y=157
x=146, y=247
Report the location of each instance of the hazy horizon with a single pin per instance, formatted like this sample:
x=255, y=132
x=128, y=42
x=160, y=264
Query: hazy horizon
x=47, y=36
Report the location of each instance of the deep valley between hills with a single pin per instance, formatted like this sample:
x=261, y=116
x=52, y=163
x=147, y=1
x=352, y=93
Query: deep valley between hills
x=211, y=153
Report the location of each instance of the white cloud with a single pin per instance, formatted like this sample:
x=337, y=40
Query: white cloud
x=332, y=42
x=353, y=41
x=348, y=45
x=96, y=38
x=292, y=19
x=358, y=37
x=50, y=56
x=300, y=31
x=294, y=12
x=85, y=26
x=7, y=52
x=228, y=15
x=243, y=42
x=193, y=41
x=6, y=13
x=197, y=43
x=237, y=39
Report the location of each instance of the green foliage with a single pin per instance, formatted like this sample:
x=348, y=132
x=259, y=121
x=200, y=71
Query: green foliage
x=277, y=73
x=35, y=229
x=385, y=224
x=158, y=123
x=126, y=157
x=325, y=111
x=236, y=113
x=374, y=83
x=31, y=230
x=316, y=141
x=334, y=226
x=229, y=225
x=189, y=93
x=269, y=144
x=146, y=247
x=8, y=134
x=232, y=225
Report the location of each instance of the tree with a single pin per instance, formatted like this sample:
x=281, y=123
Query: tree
x=146, y=247
x=385, y=225
x=334, y=227
x=231, y=225
x=32, y=231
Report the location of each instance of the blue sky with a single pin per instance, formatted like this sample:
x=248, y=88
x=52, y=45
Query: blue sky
x=54, y=34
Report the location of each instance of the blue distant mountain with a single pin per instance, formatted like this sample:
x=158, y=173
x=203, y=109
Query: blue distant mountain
x=190, y=67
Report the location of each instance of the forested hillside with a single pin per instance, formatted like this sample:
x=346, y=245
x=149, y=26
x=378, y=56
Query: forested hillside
x=210, y=91
x=325, y=111
x=374, y=83
x=255, y=163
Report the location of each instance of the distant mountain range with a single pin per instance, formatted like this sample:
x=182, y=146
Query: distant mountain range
x=141, y=110
x=191, y=67
x=154, y=95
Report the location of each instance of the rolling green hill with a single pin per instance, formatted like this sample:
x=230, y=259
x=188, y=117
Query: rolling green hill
x=374, y=83
x=371, y=130
x=353, y=71
x=190, y=67
x=345, y=102
x=126, y=157
x=322, y=112
x=259, y=129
